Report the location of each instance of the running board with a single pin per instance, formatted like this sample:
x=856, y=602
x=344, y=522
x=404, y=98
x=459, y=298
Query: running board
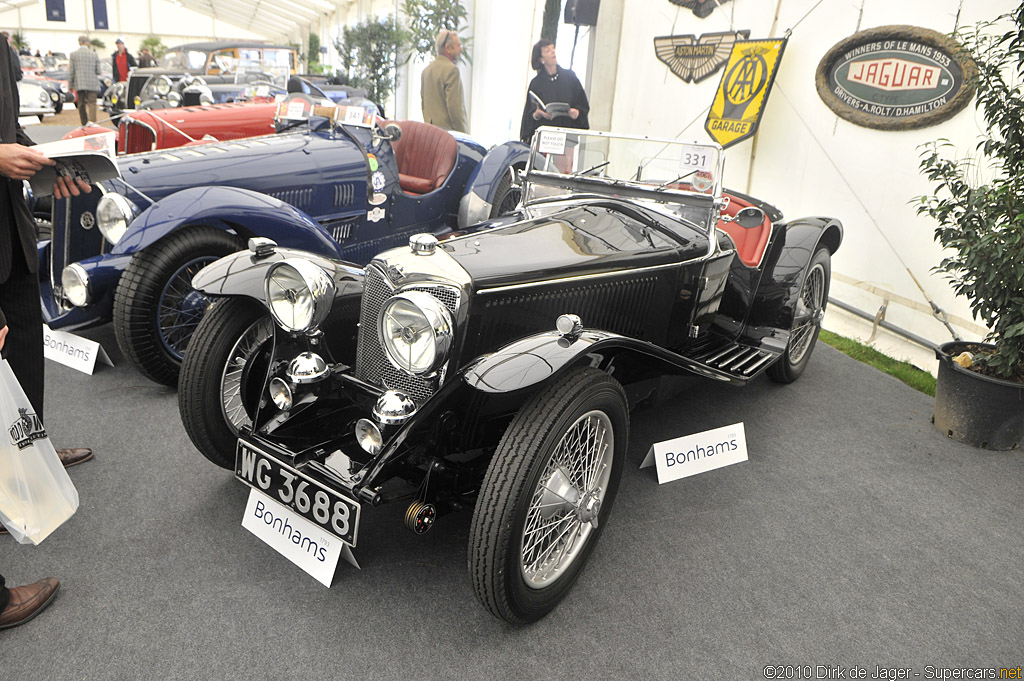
x=735, y=360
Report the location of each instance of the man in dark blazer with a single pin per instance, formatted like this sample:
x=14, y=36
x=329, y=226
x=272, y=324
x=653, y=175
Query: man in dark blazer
x=21, y=321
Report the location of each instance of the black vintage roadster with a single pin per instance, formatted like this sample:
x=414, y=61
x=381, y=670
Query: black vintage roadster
x=494, y=371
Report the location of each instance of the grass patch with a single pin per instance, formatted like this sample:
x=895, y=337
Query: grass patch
x=908, y=373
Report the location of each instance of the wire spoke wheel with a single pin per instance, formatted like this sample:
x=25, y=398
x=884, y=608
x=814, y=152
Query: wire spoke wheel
x=156, y=310
x=566, y=503
x=812, y=307
x=181, y=307
x=222, y=376
x=547, y=494
x=232, y=402
x=807, y=317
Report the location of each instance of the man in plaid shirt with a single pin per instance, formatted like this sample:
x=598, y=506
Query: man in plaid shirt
x=84, y=79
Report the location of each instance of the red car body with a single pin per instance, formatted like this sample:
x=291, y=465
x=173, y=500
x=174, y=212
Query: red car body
x=176, y=127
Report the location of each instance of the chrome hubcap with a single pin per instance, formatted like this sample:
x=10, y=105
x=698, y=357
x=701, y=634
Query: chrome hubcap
x=566, y=504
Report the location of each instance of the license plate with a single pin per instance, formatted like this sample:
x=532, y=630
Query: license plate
x=322, y=506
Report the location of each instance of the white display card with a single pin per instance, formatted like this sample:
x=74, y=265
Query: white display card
x=697, y=453
x=73, y=351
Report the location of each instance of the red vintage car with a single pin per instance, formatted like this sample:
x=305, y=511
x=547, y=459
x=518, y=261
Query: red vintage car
x=167, y=128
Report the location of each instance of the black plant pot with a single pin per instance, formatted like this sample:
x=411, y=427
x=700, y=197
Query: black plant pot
x=974, y=409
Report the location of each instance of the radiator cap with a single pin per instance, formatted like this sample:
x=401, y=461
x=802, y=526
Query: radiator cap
x=423, y=244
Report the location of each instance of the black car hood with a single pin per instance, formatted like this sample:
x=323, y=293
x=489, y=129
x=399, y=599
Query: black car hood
x=586, y=238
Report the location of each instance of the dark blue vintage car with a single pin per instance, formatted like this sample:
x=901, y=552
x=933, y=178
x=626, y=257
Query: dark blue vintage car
x=346, y=190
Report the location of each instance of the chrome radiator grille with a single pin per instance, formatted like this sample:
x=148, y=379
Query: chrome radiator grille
x=372, y=363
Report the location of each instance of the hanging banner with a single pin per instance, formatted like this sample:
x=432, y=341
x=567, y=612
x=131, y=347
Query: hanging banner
x=55, y=10
x=896, y=78
x=743, y=92
x=99, y=14
x=695, y=59
x=701, y=8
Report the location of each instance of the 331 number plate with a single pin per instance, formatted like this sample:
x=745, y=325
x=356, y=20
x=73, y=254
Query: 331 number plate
x=328, y=509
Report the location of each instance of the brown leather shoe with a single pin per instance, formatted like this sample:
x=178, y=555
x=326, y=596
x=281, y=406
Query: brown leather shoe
x=28, y=601
x=74, y=456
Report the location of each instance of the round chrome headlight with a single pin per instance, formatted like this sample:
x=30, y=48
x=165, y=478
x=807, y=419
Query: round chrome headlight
x=416, y=331
x=299, y=294
x=43, y=96
x=162, y=86
x=54, y=96
x=75, y=283
x=63, y=87
x=205, y=99
x=174, y=98
x=113, y=215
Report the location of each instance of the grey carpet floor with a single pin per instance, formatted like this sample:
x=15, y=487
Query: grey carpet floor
x=855, y=535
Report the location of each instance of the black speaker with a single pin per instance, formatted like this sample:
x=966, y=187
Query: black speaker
x=581, y=12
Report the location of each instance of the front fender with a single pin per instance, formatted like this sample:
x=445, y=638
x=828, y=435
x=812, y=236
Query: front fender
x=539, y=358
x=500, y=382
x=483, y=183
x=245, y=212
x=243, y=274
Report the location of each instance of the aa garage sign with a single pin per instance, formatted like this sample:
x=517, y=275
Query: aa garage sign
x=896, y=78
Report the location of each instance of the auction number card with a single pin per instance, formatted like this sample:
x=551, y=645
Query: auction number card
x=696, y=157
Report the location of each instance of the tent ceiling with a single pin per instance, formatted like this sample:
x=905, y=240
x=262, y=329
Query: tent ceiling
x=271, y=18
x=11, y=4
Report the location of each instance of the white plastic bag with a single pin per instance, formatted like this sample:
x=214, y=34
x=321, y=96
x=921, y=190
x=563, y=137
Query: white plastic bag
x=36, y=494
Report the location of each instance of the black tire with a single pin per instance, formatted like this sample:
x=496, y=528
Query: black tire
x=222, y=376
x=507, y=196
x=510, y=578
x=806, y=320
x=156, y=309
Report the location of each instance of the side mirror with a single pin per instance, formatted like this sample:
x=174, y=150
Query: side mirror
x=751, y=217
x=393, y=132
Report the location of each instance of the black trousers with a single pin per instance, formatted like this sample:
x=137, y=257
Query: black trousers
x=23, y=349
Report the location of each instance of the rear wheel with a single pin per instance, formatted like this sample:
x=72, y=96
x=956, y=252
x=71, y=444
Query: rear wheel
x=222, y=376
x=810, y=310
x=547, y=494
x=156, y=310
x=507, y=196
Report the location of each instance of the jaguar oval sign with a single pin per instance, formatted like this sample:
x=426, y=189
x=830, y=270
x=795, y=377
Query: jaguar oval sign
x=896, y=78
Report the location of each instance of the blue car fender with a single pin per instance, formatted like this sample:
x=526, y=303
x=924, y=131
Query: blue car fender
x=482, y=186
x=242, y=211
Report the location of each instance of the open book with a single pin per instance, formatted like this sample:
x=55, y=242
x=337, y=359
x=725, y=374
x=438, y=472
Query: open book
x=92, y=158
x=555, y=109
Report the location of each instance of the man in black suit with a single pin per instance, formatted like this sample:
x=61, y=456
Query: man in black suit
x=21, y=322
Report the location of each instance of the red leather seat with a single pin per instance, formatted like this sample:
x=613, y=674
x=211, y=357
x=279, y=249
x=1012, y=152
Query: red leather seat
x=425, y=155
x=750, y=243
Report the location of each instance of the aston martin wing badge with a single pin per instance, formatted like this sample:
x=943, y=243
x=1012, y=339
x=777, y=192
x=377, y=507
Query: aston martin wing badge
x=693, y=59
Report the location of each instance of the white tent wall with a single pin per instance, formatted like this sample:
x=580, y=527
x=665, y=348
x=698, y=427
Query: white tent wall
x=808, y=161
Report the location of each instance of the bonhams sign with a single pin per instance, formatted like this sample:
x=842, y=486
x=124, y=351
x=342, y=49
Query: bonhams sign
x=896, y=78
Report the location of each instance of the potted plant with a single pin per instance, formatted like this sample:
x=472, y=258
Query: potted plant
x=978, y=205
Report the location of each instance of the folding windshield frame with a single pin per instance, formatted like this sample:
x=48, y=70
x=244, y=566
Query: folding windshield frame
x=538, y=173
